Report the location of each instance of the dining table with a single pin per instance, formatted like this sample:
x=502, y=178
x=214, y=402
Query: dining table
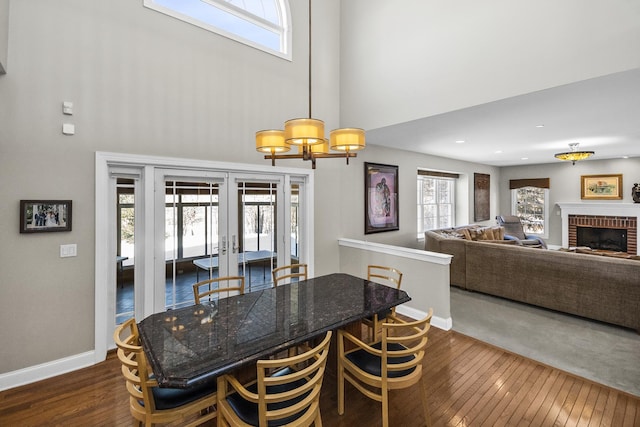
x=196, y=344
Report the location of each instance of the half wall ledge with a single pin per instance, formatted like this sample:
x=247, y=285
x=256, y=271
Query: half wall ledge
x=425, y=275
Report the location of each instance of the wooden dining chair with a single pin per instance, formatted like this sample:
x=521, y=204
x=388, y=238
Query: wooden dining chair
x=386, y=276
x=208, y=290
x=293, y=271
x=151, y=404
x=393, y=362
x=286, y=392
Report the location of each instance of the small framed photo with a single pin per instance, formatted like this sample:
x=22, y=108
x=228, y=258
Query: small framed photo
x=601, y=187
x=380, y=198
x=45, y=215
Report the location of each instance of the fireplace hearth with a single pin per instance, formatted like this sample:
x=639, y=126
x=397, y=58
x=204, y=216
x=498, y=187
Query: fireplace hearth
x=617, y=216
x=615, y=232
x=607, y=239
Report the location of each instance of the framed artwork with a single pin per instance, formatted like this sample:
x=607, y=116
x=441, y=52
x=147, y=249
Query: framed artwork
x=380, y=198
x=38, y=216
x=481, y=197
x=601, y=187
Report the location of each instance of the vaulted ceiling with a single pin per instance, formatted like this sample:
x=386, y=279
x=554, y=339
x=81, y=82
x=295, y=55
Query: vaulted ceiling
x=517, y=81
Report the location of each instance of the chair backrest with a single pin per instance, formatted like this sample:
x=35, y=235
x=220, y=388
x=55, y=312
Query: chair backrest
x=126, y=335
x=134, y=368
x=384, y=275
x=512, y=226
x=288, y=272
x=301, y=376
x=208, y=290
x=404, y=342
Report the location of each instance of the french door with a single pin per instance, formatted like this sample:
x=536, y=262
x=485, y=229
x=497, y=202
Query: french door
x=164, y=223
x=217, y=224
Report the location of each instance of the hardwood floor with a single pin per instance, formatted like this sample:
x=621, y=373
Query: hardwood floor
x=469, y=384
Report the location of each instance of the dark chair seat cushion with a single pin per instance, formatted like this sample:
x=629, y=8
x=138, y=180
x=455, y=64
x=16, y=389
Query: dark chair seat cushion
x=372, y=364
x=248, y=411
x=168, y=398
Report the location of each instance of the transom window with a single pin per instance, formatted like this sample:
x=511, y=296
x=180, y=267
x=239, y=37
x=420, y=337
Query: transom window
x=263, y=24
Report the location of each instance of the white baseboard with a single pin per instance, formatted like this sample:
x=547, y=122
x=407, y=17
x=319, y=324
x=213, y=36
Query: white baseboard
x=438, y=322
x=82, y=360
x=46, y=370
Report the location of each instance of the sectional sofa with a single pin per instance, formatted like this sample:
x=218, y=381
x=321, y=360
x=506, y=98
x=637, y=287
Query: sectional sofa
x=602, y=288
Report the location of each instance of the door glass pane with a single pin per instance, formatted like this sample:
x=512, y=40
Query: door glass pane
x=191, y=238
x=295, y=225
x=257, y=246
x=125, y=243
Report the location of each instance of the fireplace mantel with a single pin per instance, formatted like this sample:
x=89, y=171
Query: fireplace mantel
x=600, y=209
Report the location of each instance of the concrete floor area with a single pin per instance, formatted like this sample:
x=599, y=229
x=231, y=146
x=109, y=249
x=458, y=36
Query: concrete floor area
x=600, y=352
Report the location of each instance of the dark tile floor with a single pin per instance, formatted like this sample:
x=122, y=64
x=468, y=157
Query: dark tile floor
x=260, y=278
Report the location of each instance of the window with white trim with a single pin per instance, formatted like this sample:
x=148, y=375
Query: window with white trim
x=436, y=200
x=530, y=202
x=263, y=24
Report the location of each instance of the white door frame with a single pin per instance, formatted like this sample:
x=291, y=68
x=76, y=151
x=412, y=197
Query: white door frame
x=105, y=229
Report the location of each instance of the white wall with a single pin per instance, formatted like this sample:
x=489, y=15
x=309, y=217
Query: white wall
x=4, y=35
x=565, y=184
x=426, y=57
x=141, y=82
x=425, y=276
x=349, y=216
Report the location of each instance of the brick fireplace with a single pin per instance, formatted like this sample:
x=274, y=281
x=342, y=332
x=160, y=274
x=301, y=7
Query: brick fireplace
x=620, y=217
x=628, y=226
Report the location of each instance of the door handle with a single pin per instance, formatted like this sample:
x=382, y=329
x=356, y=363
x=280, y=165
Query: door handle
x=234, y=248
x=224, y=245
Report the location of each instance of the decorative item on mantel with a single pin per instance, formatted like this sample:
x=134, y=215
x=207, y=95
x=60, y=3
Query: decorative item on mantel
x=307, y=134
x=635, y=193
x=574, y=155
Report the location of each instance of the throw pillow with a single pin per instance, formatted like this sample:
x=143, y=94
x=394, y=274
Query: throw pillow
x=498, y=233
x=466, y=233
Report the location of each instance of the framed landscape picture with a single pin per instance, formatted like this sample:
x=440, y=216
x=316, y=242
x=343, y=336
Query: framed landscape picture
x=601, y=187
x=380, y=198
x=45, y=215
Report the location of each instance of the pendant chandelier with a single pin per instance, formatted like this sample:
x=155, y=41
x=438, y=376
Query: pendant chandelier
x=574, y=155
x=307, y=135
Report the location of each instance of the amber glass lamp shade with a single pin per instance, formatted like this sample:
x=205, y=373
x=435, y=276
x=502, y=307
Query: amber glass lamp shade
x=316, y=149
x=574, y=156
x=271, y=141
x=304, y=131
x=347, y=139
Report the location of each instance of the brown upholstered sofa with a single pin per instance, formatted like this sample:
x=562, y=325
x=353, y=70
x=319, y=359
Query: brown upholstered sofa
x=596, y=287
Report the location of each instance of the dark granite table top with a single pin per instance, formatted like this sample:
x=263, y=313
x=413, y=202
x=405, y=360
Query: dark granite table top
x=197, y=343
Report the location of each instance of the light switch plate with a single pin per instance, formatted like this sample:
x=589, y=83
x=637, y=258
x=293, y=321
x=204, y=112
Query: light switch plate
x=68, y=128
x=67, y=108
x=68, y=250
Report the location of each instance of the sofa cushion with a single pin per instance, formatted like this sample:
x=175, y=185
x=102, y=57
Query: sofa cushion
x=452, y=234
x=486, y=233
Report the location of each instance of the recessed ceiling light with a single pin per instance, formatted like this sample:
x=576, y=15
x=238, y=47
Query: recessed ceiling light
x=539, y=126
x=625, y=157
x=524, y=158
x=460, y=141
x=499, y=152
